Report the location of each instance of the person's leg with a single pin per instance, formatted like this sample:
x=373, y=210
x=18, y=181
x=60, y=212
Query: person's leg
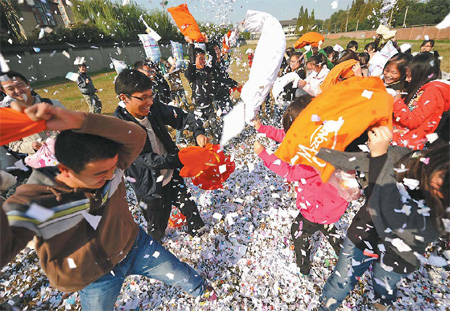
x=88, y=99
x=157, y=214
x=181, y=199
x=351, y=264
x=155, y=262
x=385, y=284
x=329, y=231
x=102, y=293
x=301, y=245
x=97, y=104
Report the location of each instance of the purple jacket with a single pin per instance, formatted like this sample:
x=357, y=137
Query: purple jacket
x=317, y=201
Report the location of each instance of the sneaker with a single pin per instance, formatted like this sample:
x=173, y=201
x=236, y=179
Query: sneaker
x=195, y=225
x=210, y=293
x=157, y=235
x=304, y=263
x=335, y=244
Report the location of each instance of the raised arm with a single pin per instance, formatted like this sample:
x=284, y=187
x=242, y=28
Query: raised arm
x=131, y=136
x=286, y=170
x=270, y=131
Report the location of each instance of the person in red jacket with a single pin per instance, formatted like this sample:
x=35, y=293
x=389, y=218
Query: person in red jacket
x=420, y=112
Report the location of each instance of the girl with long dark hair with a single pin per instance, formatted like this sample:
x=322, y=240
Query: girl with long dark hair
x=420, y=112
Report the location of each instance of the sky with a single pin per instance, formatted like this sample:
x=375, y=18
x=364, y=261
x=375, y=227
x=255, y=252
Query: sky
x=226, y=11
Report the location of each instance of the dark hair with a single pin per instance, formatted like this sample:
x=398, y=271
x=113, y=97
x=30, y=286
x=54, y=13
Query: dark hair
x=371, y=46
x=298, y=54
x=294, y=109
x=198, y=51
x=290, y=51
x=439, y=161
x=352, y=44
x=424, y=67
x=13, y=74
x=82, y=65
x=401, y=60
x=364, y=59
x=330, y=52
x=130, y=81
x=141, y=64
x=428, y=41
x=318, y=60
x=75, y=150
x=346, y=55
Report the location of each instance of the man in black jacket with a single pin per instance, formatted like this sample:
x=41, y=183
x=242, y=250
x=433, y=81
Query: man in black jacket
x=158, y=184
x=222, y=82
x=201, y=79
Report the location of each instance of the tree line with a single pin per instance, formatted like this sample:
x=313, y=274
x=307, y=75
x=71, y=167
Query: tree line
x=107, y=21
x=366, y=15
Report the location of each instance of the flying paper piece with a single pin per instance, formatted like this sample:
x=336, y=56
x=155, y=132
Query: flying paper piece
x=119, y=65
x=72, y=76
x=38, y=212
x=79, y=60
x=93, y=220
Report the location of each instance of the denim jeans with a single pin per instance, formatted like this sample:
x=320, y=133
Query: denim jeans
x=353, y=263
x=147, y=258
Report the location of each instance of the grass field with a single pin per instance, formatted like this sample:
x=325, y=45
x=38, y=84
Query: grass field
x=67, y=92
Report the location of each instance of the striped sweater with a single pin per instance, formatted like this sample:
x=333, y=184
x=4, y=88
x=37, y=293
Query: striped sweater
x=81, y=234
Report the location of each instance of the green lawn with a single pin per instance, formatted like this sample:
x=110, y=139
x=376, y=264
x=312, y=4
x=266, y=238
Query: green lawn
x=67, y=91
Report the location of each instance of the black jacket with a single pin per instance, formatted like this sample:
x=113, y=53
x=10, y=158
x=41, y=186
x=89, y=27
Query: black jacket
x=289, y=89
x=161, y=89
x=222, y=82
x=201, y=81
x=146, y=168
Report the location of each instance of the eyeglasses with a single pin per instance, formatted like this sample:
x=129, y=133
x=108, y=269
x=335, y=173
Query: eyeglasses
x=143, y=98
x=12, y=87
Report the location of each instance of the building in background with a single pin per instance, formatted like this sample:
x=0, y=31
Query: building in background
x=288, y=28
x=50, y=13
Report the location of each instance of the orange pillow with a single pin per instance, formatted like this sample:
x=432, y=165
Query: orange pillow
x=186, y=22
x=343, y=70
x=15, y=125
x=309, y=38
x=334, y=119
x=208, y=166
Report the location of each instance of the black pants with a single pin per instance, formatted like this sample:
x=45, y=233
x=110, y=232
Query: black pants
x=211, y=123
x=301, y=231
x=158, y=210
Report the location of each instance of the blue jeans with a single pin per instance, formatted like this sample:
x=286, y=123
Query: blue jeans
x=353, y=263
x=147, y=258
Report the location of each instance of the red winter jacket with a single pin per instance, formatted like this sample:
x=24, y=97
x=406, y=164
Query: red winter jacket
x=421, y=117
